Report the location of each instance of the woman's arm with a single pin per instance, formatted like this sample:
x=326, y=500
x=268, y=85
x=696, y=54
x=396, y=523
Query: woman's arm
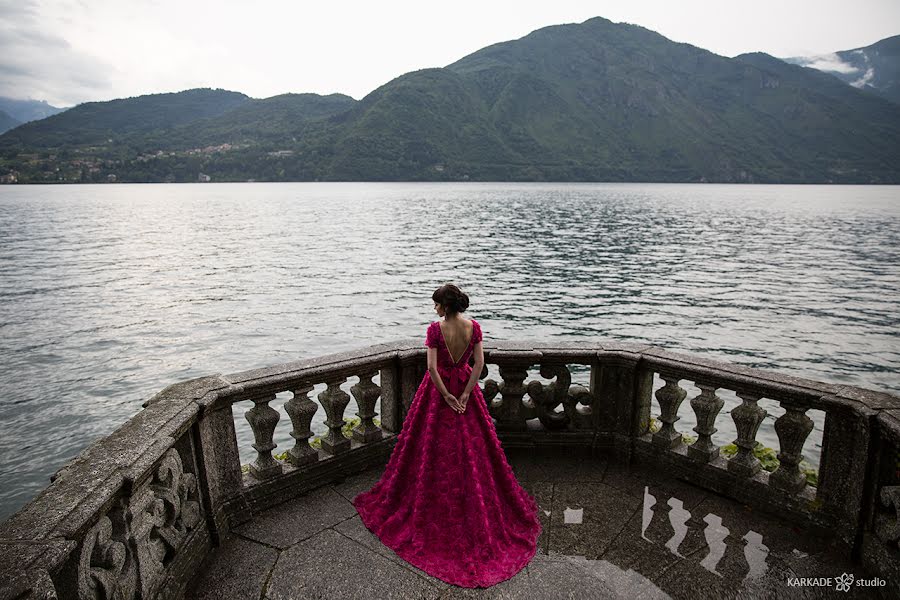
x=478, y=353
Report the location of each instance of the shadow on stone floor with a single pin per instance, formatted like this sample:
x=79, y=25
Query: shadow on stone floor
x=608, y=532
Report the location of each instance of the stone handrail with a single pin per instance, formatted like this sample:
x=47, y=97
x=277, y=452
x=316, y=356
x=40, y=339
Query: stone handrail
x=135, y=513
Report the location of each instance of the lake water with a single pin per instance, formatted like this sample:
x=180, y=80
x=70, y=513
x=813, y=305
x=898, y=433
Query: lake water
x=109, y=293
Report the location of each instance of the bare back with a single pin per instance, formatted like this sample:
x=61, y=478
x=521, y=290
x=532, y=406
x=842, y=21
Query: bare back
x=457, y=336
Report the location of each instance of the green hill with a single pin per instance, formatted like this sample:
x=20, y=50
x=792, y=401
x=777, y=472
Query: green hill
x=595, y=101
x=106, y=122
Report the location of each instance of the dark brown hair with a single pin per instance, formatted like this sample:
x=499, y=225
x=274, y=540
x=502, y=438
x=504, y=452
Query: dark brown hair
x=451, y=298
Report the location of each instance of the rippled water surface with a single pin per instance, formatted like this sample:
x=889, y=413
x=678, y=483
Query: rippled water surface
x=109, y=293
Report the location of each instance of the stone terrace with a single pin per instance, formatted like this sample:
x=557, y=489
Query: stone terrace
x=609, y=532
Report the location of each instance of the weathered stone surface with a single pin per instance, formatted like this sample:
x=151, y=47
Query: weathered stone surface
x=586, y=517
x=221, y=460
x=552, y=465
x=236, y=570
x=871, y=398
x=23, y=565
x=646, y=544
x=284, y=525
x=331, y=565
x=561, y=577
x=613, y=545
x=314, y=367
x=360, y=482
x=192, y=389
x=890, y=421
x=715, y=368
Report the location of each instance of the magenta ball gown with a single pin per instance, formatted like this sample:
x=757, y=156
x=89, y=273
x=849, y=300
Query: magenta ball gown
x=448, y=501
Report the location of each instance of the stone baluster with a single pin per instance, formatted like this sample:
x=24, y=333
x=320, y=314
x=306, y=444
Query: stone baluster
x=670, y=397
x=792, y=428
x=263, y=419
x=366, y=394
x=747, y=419
x=512, y=390
x=706, y=406
x=301, y=410
x=335, y=401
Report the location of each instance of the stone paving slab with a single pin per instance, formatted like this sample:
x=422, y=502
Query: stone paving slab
x=609, y=532
x=587, y=517
x=331, y=565
x=236, y=570
x=286, y=524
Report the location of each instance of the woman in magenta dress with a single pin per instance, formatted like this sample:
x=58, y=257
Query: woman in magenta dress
x=448, y=501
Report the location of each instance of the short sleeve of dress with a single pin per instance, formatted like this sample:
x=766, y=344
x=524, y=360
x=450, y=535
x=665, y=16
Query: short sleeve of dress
x=431, y=338
x=476, y=332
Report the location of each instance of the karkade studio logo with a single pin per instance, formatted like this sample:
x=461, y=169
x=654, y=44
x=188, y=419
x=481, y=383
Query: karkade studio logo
x=841, y=584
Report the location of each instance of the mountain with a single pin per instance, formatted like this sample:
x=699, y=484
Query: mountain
x=27, y=110
x=94, y=123
x=7, y=122
x=605, y=101
x=596, y=101
x=875, y=68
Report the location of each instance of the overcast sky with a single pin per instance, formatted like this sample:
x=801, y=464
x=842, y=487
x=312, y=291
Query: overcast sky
x=72, y=51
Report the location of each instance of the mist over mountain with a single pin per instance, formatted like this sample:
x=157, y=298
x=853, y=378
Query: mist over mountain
x=27, y=110
x=875, y=68
x=596, y=101
x=7, y=122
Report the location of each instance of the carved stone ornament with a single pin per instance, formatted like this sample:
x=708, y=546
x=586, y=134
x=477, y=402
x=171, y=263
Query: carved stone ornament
x=163, y=512
x=106, y=568
x=545, y=399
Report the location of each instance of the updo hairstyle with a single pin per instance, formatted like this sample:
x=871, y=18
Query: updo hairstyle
x=451, y=298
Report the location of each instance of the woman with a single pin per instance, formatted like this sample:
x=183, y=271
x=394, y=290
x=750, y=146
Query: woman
x=448, y=501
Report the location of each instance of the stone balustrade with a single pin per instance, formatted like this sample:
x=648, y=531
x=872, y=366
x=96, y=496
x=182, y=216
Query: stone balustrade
x=136, y=512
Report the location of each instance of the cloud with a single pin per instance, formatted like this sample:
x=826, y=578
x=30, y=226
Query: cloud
x=830, y=62
x=38, y=64
x=865, y=79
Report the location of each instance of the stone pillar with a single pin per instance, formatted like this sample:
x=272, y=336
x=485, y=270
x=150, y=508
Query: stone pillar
x=670, y=397
x=410, y=378
x=390, y=399
x=747, y=419
x=335, y=400
x=846, y=445
x=792, y=428
x=706, y=406
x=263, y=419
x=366, y=394
x=620, y=409
x=301, y=410
x=221, y=463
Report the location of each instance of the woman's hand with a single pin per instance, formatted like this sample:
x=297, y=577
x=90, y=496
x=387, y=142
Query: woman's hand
x=453, y=402
x=464, y=399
